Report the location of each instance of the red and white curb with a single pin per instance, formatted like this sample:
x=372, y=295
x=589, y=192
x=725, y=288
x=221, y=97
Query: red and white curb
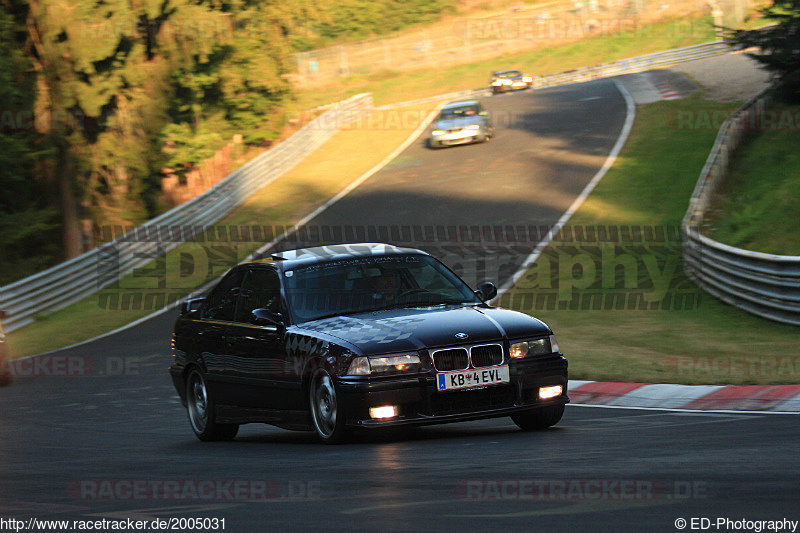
x=775, y=398
x=666, y=91
x=662, y=86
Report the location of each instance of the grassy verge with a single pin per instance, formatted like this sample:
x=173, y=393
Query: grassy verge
x=760, y=206
x=345, y=157
x=389, y=86
x=583, y=288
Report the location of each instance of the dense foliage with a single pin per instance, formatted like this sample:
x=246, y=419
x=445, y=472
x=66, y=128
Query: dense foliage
x=779, y=44
x=116, y=91
x=28, y=226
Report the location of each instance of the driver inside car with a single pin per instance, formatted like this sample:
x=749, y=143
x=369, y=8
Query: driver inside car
x=385, y=286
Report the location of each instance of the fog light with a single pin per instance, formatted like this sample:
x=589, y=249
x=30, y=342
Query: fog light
x=385, y=411
x=545, y=393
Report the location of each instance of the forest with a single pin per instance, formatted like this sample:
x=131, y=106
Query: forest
x=98, y=97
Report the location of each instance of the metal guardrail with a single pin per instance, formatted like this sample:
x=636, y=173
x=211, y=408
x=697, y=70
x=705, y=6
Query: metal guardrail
x=73, y=280
x=630, y=65
x=77, y=278
x=763, y=284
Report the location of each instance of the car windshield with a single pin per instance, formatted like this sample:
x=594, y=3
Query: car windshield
x=509, y=74
x=458, y=112
x=362, y=284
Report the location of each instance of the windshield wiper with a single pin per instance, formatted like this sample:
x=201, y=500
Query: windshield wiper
x=401, y=305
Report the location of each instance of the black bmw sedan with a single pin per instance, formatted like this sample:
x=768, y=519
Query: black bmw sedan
x=334, y=338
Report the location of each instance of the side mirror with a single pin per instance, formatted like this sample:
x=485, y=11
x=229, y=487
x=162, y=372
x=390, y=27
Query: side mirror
x=265, y=317
x=486, y=291
x=192, y=304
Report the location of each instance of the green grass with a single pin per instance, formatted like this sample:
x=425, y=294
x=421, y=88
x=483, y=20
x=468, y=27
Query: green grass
x=391, y=87
x=683, y=335
x=759, y=208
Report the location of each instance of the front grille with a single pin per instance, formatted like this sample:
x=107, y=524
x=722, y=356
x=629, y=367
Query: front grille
x=493, y=397
x=453, y=359
x=454, y=130
x=486, y=355
x=460, y=358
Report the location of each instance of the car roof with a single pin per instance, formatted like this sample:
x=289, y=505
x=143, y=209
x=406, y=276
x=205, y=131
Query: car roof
x=305, y=256
x=461, y=103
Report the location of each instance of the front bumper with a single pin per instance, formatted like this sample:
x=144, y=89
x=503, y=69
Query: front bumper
x=515, y=85
x=420, y=403
x=460, y=137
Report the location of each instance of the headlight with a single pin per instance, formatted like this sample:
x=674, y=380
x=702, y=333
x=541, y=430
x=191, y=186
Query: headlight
x=527, y=79
x=474, y=127
x=437, y=132
x=365, y=366
x=497, y=82
x=542, y=346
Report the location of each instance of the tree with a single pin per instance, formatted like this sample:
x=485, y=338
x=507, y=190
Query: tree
x=131, y=87
x=28, y=232
x=779, y=44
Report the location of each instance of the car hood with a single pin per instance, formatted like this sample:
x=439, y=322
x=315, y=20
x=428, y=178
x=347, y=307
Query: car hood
x=460, y=122
x=416, y=329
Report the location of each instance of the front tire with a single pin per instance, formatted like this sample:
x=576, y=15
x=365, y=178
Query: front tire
x=327, y=413
x=540, y=418
x=202, y=411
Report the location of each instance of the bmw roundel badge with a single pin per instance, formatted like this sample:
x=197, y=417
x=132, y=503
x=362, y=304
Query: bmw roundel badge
x=461, y=335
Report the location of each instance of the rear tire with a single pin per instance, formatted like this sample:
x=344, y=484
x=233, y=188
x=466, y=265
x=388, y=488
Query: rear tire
x=5, y=372
x=202, y=411
x=540, y=418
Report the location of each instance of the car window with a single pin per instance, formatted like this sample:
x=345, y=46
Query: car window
x=261, y=290
x=461, y=111
x=221, y=303
x=371, y=283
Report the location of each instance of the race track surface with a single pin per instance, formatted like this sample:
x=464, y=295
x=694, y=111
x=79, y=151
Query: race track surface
x=462, y=203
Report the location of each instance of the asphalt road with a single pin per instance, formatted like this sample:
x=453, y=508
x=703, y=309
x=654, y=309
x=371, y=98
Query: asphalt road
x=99, y=432
x=74, y=448
x=481, y=208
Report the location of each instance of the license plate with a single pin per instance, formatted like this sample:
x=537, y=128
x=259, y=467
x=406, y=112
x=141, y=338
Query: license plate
x=470, y=379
